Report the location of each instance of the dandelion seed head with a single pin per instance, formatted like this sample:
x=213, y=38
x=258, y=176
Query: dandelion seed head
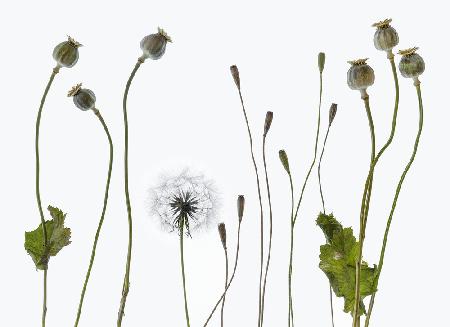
x=186, y=200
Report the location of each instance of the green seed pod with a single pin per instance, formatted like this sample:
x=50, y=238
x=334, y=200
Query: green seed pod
x=223, y=234
x=411, y=65
x=66, y=53
x=268, y=122
x=240, y=207
x=284, y=160
x=84, y=99
x=360, y=75
x=235, y=73
x=321, y=61
x=386, y=37
x=154, y=45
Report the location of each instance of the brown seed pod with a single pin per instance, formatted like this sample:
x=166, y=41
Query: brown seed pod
x=223, y=234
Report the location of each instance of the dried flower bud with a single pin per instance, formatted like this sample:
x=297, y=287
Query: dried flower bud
x=360, y=75
x=235, y=73
x=154, y=45
x=321, y=61
x=66, y=53
x=268, y=122
x=386, y=37
x=332, y=113
x=84, y=99
x=223, y=234
x=240, y=207
x=412, y=64
x=284, y=160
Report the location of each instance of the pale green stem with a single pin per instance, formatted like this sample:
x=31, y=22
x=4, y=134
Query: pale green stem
x=394, y=203
x=231, y=279
x=226, y=283
x=126, y=281
x=38, y=192
x=102, y=217
x=291, y=252
x=186, y=311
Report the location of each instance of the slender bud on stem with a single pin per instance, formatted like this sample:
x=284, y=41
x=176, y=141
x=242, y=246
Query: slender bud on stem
x=268, y=122
x=240, y=207
x=284, y=160
x=223, y=234
x=235, y=73
x=332, y=114
x=321, y=61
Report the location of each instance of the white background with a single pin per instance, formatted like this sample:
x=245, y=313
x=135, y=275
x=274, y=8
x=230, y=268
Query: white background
x=184, y=111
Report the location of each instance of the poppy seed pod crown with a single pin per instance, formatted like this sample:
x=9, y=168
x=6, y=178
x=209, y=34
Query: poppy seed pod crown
x=360, y=75
x=386, y=37
x=412, y=64
x=66, y=53
x=84, y=99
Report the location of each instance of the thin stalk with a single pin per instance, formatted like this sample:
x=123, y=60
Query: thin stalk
x=290, y=311
x=38, y=192
x=394, y=203
x=102, y=217
x=231, y=279
x=186, y=311
x=126, y=281
x=362, y=231
x=226, y=283
x=323, y=207
x=270, y=228
x=260, y=206
x=315, y=153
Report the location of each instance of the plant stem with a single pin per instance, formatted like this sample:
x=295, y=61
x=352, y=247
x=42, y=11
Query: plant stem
x=231, y=279
x=323, y=207
x=315, y=153
x=226, y=283
x=319, y=166
x=362, y=231
x=270, y=229
x=38, y=192
x=126, y=281
x=186, y=311
x=394, y=203
x=290, y=311
x=260, y=206
x=102, y=217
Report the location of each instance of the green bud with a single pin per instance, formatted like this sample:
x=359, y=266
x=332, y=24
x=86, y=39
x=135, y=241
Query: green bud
x=284, y=160
x=223, y=234
x=268, y=122
x=240, y=207
x=84, y=99
x=321, y=61
x=66, y=53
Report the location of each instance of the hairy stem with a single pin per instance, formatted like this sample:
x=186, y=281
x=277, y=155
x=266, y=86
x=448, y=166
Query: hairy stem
x=356, y=317
x=186, y=311
x=38, y=192
x=102, y=217
x=126, y=281
x=260, y=206
x=231, y=279
x=270, y=229
x=394, y=203
x=226, y=283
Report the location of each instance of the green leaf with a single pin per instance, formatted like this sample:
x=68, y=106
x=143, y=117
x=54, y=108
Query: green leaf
x=338, y=261
x=58, y=236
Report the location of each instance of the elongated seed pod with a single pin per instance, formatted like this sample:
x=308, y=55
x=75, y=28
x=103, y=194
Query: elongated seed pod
x=284, y=160
x=223, y=234
x=240, y=207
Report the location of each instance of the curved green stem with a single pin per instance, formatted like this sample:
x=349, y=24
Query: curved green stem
x=315, y=153
x=186, y=311
x=126, y=281
x=226, y=283
x=356, y=317
x=102, y=217
x=38, y=192
x=394, y=203
x=231, y=279
x=260, y=205
x=291, y=225
x=270, y=229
